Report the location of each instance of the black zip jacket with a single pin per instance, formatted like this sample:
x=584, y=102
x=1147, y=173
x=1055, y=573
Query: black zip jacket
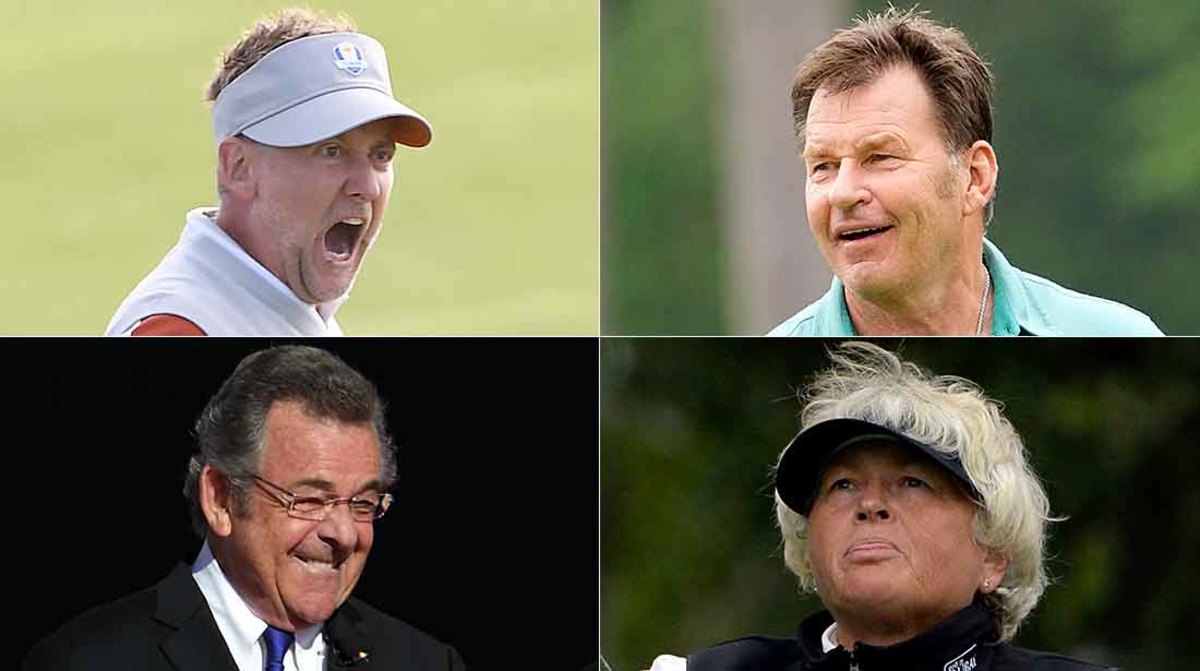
x=964, y=642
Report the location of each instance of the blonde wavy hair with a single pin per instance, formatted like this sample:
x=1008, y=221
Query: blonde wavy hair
x=954, y=416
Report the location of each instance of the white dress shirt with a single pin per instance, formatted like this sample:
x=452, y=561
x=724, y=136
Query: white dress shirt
x=243, y=630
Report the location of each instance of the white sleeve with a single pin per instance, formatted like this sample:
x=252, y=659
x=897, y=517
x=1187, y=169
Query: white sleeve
x=669, y=663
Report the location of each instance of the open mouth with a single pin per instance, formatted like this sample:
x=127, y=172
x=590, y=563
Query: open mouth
x=342, y=237
x=863, y=233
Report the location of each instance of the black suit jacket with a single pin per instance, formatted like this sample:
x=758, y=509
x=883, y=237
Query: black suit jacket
x=168, y=627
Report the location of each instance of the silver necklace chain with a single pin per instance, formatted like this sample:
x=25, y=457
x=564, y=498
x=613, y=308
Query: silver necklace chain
x=987, y=287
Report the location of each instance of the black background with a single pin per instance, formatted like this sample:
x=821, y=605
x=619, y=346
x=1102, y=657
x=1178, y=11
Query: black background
x=492, y=543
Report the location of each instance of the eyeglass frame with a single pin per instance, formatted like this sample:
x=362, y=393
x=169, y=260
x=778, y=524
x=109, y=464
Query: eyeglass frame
x=289, y=498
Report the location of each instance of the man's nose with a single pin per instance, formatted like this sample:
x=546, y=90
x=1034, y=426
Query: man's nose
x=365, y=180
x=849, y=186
x=339, y=527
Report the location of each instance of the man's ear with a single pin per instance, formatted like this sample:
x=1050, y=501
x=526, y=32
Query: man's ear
x=982, y=172
x=234, y=175
x=216, y=500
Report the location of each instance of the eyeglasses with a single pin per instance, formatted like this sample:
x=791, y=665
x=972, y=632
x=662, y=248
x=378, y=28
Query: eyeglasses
x=366, y=508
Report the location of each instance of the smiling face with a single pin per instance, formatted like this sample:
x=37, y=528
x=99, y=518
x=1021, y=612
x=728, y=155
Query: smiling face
x=295, y=572
x=891, y=547
x=885, y=200
x=312, y=212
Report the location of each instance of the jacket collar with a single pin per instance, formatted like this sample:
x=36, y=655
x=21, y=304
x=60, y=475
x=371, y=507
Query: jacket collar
x=347, y=641
x=197, y=645
x=939, y=647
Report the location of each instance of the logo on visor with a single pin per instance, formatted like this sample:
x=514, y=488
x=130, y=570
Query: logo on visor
x=347, y=56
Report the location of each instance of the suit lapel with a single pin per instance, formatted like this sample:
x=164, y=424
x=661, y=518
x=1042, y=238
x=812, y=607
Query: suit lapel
x=347, y=647
x=196, y=644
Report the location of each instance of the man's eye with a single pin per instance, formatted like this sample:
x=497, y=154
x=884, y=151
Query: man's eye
x=383, y=155
x=331, y=151
x=910, y=481
x=841, y=483
x=308, y=504
x=879, y=158
x=821, y=167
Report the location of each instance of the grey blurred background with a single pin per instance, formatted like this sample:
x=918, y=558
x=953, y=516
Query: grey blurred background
x=690, y=428
x=703, y=225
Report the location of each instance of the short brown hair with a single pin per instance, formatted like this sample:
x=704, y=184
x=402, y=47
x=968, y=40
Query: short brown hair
x=956, y=77
x=270, y=33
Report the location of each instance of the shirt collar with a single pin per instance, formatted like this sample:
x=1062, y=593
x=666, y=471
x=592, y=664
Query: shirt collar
x=834, y=317
x=1008, y=310
x=202, y=223
x=238, y=624
x=829, y=638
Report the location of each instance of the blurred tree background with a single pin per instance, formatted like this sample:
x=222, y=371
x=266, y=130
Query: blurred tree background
x=690, y=428
x=1095, y=132
x=660, y=266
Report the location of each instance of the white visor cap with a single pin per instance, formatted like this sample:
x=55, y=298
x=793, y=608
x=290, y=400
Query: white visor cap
x=312, y=89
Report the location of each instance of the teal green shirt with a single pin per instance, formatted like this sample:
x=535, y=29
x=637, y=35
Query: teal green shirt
x=1025, y=304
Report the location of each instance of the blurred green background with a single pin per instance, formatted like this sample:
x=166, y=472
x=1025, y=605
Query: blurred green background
x=1095, y=130
x=690, y=555
x=491, y=229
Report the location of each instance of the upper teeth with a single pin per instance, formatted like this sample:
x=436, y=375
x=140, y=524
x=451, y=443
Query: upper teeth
x=356, y=221
x=864, y=230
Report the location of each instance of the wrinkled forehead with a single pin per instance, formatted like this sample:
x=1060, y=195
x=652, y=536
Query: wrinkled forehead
x=896, y=101
x=296, y=438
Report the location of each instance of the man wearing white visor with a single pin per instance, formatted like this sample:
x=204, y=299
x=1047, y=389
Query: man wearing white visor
x=306, y=127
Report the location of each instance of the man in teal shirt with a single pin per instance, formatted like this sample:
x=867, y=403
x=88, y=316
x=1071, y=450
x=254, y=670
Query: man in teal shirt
x=894, y=116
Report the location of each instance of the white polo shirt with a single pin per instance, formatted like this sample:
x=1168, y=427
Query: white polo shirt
x=208, y=279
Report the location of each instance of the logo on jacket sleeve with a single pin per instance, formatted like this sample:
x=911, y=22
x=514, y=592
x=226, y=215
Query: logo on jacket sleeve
x=347, y=56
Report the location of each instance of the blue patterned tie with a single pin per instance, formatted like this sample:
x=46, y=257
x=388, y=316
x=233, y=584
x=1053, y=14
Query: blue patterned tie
x=278, y=641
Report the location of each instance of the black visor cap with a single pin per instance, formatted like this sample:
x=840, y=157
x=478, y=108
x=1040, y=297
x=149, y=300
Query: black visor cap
x=805, y=458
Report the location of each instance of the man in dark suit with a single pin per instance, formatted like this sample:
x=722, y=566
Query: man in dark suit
x=292, y=470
